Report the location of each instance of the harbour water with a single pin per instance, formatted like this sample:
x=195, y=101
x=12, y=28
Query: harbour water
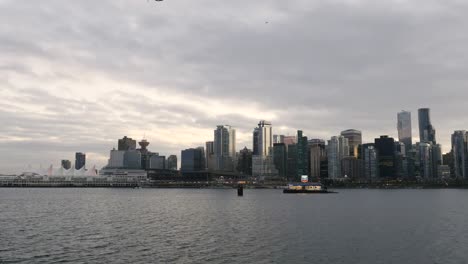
x=216, y=226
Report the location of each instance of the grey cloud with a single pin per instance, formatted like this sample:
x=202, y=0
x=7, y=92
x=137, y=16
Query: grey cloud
x=320, y=66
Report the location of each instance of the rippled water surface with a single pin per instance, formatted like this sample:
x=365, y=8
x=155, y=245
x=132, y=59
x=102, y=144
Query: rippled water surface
x=216, y=226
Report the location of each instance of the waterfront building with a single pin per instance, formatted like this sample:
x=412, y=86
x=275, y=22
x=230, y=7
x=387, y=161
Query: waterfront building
x=352, y=168
x=263, y=167
x=172, y=162
x=224, y=147
x=404, y=129
x=244, y=161
x=337, y=149
x=385, y=147
x=302, y=155
x=443, y=171
x=354, y=140
x=132, y=159
x=126, y=143
x=460, y=154
x=80, y=160
x=193, y=159
x=317, y=154
x=66, y=164
x=447, y=159
x=263, y=138
x=370, y=157
x=427, y=132
x=156, y=162
x=280, y=158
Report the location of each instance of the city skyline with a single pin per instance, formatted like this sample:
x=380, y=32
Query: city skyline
x=79, y=81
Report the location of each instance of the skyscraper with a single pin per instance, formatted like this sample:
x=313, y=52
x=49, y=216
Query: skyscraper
x=126, y=143
x=427, y=132
x=263, y=138
x=370, y=161
x=193, y=160
x=386, y=156
x=425, y=160
x=210, y=156
x=224, y=147
x=317, y=154
x=80, y=160
x=404, y=129
x=302, y=155
x=460, y=153
x=337, y=149
x=280, y=158
x=354, y=140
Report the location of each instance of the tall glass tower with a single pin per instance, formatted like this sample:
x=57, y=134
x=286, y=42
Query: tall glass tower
x=224, y=147
x=426, y=130
x=404, y=129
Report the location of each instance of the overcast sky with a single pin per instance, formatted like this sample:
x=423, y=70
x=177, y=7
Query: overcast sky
x=78, y=75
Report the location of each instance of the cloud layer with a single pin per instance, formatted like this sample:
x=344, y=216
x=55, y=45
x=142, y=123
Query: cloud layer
x=76, y=76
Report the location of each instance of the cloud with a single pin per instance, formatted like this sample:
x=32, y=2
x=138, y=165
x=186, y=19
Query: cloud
x=78, y=76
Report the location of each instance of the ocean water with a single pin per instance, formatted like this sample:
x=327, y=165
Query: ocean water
x=216, y=226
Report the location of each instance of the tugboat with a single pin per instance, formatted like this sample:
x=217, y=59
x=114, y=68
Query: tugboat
x=306, y=187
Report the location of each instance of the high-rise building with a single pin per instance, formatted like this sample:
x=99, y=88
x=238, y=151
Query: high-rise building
x=263, y=138
x=156, y=162
x=460, y=154
x=404, y=129
x=126, y=143
x=132, y=159
x=224, y=147
x=354, y=140
x=193, y=160
x=291, y=161
x=278, y=139
x=256, y=141
x=302, y=155
x=371, y=168
x=337, y=149
x=280, y=158
x=210, y=156
x=352, y=167
x=425, y=160
x=116, y=159
x=171, y=162
x=244, y=161
x=66, y=164
x=436, y=158
x=427, y=132
x=386, y=156
x=80, y=160
x=317, y=154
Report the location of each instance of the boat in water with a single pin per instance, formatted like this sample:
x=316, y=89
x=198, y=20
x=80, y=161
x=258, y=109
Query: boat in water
x=306, y=187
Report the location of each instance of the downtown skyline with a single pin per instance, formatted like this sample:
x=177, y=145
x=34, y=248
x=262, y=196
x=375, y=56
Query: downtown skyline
x=79, y=81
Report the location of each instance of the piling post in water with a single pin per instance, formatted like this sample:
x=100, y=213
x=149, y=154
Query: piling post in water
x=240, y=190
